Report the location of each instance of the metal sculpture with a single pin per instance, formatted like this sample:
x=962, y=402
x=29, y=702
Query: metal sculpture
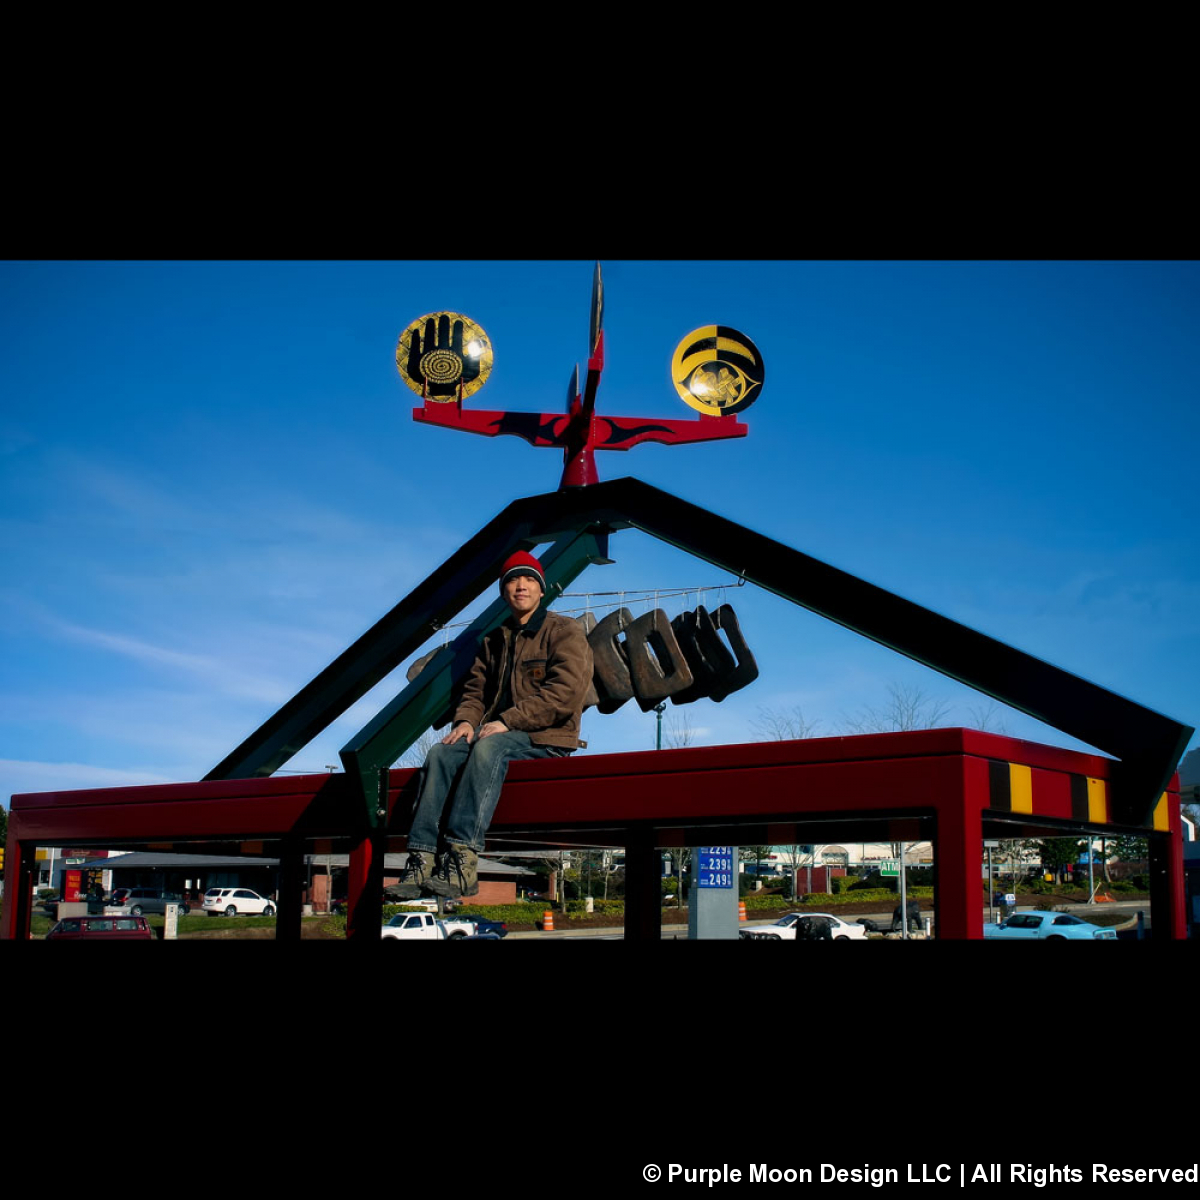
x=717, y=370
x=656, y=663
x=444, y=357
x=614, y=684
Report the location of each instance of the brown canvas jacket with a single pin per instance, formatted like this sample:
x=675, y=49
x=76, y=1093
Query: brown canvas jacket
x=551, y=671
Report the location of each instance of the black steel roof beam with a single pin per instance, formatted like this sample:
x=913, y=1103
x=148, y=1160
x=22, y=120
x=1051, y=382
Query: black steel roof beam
x=436, y=601
x=1148, y=744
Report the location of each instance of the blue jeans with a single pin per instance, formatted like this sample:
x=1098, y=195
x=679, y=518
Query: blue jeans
x=479, y=768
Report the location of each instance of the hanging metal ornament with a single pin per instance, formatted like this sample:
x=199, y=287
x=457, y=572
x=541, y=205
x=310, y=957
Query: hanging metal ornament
x=444, y=357
x=717, y=370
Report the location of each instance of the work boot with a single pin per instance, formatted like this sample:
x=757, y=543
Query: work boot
x=456, y=873
x=413, y=878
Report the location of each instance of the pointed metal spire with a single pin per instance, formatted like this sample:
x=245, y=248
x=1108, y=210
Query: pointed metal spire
x=573, y=390
x=597, y=309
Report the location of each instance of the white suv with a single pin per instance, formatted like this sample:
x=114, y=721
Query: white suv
x=231, y=901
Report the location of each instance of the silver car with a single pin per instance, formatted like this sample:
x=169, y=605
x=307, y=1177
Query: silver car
x=141, y=900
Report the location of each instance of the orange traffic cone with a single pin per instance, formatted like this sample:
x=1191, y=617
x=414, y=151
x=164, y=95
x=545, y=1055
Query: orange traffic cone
x=547, y=922
x=741, y=910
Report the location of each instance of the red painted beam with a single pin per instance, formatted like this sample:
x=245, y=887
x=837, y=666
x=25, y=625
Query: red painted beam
x=766, y=780
x=729, y=784
x=222, y=808
x=666, y=796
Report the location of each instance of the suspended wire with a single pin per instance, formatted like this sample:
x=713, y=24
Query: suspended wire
x=710, y=587
x=636, y=596
x=649, y=596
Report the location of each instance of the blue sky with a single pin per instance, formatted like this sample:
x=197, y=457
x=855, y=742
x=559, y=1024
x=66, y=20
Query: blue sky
x=212, y=484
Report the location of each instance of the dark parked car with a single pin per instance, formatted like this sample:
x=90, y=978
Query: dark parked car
x=101, y=929
x=483, y=926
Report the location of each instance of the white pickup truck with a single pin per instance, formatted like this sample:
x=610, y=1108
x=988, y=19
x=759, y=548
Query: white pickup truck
x=425, y=927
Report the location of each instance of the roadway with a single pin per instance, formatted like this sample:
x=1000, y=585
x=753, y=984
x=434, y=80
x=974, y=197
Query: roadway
x=1125, y=931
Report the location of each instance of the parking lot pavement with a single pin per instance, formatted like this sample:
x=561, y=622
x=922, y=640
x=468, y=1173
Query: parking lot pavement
x=608, y=933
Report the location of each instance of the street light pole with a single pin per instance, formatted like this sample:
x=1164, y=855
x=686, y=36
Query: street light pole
x=331, y=767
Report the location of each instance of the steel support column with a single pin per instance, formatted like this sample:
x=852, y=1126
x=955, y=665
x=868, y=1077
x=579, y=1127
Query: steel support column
x=19, y=866
x=958, y=841
x=1168, y=904
x=365, y=887
x=291, y=889
x=643, y=887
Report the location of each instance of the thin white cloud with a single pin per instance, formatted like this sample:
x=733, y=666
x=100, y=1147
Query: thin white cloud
x=212, y=670
x=21, y=776
x=130, y=495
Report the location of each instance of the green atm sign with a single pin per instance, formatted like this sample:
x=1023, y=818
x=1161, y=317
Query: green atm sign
x=889, y=866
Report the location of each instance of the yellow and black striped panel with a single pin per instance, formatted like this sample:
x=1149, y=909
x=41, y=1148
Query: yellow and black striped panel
x=1161, y=818
x=1010, y=786
x=1089, y=799
x=1017, y=788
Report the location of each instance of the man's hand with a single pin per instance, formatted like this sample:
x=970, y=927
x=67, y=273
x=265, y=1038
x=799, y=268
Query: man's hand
x=462, y=730
x=492, y=727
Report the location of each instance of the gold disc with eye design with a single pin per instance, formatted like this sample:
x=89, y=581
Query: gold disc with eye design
x=441, y=352
x=717, y=370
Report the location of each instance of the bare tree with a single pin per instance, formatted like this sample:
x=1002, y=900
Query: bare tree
x=681, y=860
x=1015, y=852
x=797, y=856
x=554, y=866
x=679, y=732
x=908, y=707
x=754, y=854
x=787, y=725
x=783, y=724
x=416, y=754
x=987, y=717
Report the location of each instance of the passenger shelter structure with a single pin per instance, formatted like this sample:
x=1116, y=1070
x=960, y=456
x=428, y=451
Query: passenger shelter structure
x=953, y=787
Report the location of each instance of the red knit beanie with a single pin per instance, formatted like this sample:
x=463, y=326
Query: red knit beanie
x=522, y=564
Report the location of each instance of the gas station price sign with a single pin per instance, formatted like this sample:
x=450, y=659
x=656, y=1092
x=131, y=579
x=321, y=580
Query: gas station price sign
x=715, y=867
